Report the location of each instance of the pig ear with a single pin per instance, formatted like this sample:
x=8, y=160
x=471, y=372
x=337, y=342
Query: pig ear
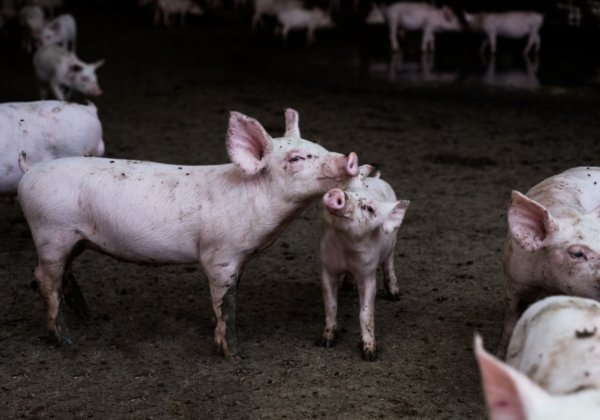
x=529, y=222
x=248, y=144
x=395, y=216
x=291, y=123
x=98, y=63
x=365, y=170
x=509, y=394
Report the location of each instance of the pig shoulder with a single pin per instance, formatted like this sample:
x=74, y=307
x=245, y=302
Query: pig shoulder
x=557, y=344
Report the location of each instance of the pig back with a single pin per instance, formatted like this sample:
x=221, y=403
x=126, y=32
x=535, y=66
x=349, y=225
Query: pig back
x=557, y=344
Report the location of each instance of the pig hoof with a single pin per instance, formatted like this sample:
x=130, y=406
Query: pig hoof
x=394, y=297
x=327, y=340
x=66, y=341
x=369, y=355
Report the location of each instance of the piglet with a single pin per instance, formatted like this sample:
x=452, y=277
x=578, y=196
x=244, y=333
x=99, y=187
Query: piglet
x=61, y=31
x=553, y=243
x=361, y=224
x=168, y=8
x=299, y=18
x=517, y=24
x=408, y=16
x=152, y=213
x=553, y=365
x=61, y=72
x=45, y=130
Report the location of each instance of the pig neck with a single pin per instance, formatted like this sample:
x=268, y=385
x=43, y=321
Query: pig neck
x=358, y=245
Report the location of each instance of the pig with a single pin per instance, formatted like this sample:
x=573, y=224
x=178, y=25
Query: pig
x=168, y=8
x=553, y=365
x=32, y=21
x=152, y=213
x=415, y=17
x=61, y=31
x=299, y=18
x=62, y=72
x=361, y=225
x=45, y=130
x=50, y=6
x=272, y=8
x=553, y=243
x=515, y=24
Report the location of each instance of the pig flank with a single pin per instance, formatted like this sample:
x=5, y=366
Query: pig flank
x=160, y=214
x=553, y=244
x=45, y=130
x=359, y=236
x=553, y=365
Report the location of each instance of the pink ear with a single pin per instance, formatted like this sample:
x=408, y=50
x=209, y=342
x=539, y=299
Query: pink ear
x=248, y=144
x=529, y=222
x=396, y=216
x=510, y=395
x=291, y=123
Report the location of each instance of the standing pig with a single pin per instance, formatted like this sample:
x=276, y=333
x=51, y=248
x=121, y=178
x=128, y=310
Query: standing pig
x=61, y=31
x=61, y=72
x=417, y=17
x=553, y=365
x=152, y=213
x=272, y=8
x=507, y=24
x=298, y=18
x=168, y=8
x=31, y=19
x=45, y=130
x=361, y=225
x=553, y=243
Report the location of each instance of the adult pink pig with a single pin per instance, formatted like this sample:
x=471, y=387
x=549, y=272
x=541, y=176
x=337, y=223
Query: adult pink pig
x=45, y=130
x=155, y=213
x=361, y=225
x=553, y=244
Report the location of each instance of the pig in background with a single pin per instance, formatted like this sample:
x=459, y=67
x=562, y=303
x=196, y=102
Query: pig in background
x=303, y=19
x=359, y=236
x=272, y=8
x=165, y=10
x=513, y=24
x=45, y=130
x=50, y=6
x=553, y=243
x=151, y=213
x=61, y=31
x=553, y=365
x=408, y=16
x=60, y=71
x=32, y=21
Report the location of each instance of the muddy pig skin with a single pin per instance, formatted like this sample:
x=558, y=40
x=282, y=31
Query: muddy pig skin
x=61, y=31
x=361, y=225
x=518, y=24
x=45, y=130
x=61, y=72
x=152, y=213
x=407, y=16
x=553, y=243
x=553, y=365
x=299, y=18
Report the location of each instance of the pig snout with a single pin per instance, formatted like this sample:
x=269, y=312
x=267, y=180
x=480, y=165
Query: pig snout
x=352, y=164
x=334, y=199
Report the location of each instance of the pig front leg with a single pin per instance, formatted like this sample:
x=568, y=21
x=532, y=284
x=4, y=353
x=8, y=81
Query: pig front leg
x=428, y=40
x=367, y=288
x=532, y=41
x=56, y=90
x=223, y=281
x=72, y=294
x=390, y=281
x=310, y=35
x=393, y=27
x=329, y=284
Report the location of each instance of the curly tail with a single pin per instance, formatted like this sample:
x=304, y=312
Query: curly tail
x=23, y=161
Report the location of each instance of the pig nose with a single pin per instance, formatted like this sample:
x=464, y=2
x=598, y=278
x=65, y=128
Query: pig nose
x=352, y=164
x=334, y=199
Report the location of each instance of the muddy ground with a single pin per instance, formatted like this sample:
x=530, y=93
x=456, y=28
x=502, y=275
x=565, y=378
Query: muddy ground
x=147, y=349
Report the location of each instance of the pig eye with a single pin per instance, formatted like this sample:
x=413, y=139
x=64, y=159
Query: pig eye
x=370, y=209
x=577, y=255
x=295, y=159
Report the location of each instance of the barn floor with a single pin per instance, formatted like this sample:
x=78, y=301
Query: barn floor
x=455, y=150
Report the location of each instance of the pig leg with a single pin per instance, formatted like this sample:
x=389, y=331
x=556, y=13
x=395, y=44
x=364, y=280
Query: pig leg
x=223, y=281
x=393, y=26
x=310, y=35
x=366, y=294
x=390, y=281
x=533, y=40
x=57, y=91
x=427, y=42
x=72, y=293
x=329, y=283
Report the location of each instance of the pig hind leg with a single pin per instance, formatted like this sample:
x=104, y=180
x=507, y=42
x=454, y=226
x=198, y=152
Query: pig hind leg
x=72, y=293
x=390, y=281
x=53, y=257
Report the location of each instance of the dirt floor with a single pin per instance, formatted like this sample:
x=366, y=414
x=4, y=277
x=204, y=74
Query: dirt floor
x=147, y=350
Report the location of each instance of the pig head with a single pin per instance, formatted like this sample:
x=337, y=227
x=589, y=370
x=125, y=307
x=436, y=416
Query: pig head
x=553, y=244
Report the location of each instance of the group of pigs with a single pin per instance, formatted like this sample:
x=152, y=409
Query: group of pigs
x=153, y=213
x=52, y=41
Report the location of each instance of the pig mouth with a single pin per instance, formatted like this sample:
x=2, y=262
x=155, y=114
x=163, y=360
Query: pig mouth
x=340, y=214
